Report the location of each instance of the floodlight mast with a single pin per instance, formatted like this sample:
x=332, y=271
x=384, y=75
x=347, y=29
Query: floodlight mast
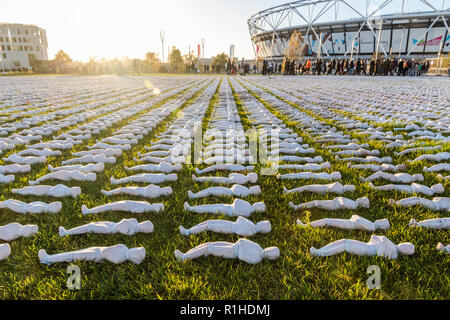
x=203, y=54
x=162, y=35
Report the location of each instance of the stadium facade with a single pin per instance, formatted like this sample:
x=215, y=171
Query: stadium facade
x=20, y=44
x=341, y=28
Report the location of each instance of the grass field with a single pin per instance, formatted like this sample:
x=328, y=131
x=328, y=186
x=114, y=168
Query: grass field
x=295, y=275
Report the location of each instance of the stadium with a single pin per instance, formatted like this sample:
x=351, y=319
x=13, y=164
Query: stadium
x=341, y=28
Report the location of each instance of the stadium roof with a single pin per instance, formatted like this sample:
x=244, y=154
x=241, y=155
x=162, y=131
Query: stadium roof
x=313, y=12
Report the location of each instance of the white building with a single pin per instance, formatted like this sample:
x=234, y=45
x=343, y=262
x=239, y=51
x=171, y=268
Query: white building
x=20, y=43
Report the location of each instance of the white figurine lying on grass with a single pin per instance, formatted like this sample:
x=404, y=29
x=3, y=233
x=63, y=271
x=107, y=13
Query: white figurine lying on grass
x=25, y=160
x=242, y=227
x=7, y=178
x=239, y=207
x=306, y=167
x=233, y=178
x=396, y=178
x=438, y=203
x=354, y=223
x=65, y=175
x=338, y=203
x=163, y=167
x=38, y=152
x=125, y=226
x=57, y=191
x=441, y=248
x=225, y=167
x=5, y=251
x=438, y=167
x=378, y=167
x=377, y=246
x=367, y=159
x=413, y=188
x=93, y=152
x=101, y=145
x=151, y=191
x=15, y=168
x=438, y=223
x=32, y=207
x=335, y=187
x=236, y=190
x=115, y=254
x=91, y=159
x=91, y=167
x=433, y=157
x=125, y=206
x=15, y=230
x=311, y=175
x=245, y=250
x=155, y=178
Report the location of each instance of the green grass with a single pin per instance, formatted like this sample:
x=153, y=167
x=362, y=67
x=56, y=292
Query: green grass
x=295, y=275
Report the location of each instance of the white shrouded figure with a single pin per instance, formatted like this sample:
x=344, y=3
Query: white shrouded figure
x=367, y=159
x=155, y=178
x=7, y=178
x=308, y=166
x=438, y=223
x=25, y=160
x=5, y=251
x=224, y=167
x=115, y=254
x=354, y=223
x=57, y=191
x=440, y=247
x=102, y=145
x=317, y=159
x=125, y=206
x=438, y=203
x=151, y=191
x=52, y=145
x=163, y=167
x=396, y=178
x=377, y=246
x=233, y=178
x=168, y=159
x=239, y=207
x=236, y=190
x=66, y=175
x=311, y=175
x=91, y=167
x=378, y=167
x=436, y=168
x=39, y=152
x=125, y=226
x=338, y=203
x=245, y=250
x=242, y=227
x=15, y=168
x=15, y=230
x=32, y=207
x=433, y=157
x=99, y=158
x=413, y=188
x=93, y=152
x=335, y=187
x=359, y=152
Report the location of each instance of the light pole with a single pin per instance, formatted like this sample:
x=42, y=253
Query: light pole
x=162, y=35
x=203, y=54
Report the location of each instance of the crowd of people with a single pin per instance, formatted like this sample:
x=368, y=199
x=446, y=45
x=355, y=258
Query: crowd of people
x=371, y=67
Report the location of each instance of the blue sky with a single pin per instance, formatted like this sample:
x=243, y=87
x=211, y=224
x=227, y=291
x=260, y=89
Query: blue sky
x=111, y=28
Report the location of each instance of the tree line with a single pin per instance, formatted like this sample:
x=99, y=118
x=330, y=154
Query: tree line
x=178, y=63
